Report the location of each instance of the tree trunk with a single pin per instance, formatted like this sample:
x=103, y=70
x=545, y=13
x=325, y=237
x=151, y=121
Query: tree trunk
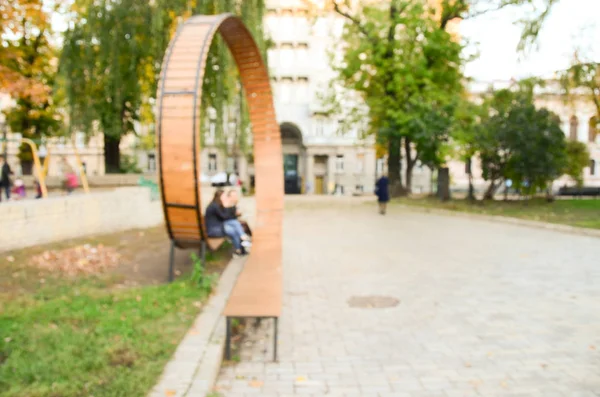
x=491, y=191
x=394, y=167
x=410, y=165
x=112, y=154
x=471, y=196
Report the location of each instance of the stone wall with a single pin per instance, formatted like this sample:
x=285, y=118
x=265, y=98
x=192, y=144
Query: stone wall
x=96, y=181
x=33, y=222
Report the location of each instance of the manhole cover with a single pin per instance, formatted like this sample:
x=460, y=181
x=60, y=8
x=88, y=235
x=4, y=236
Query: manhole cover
x=372, y=302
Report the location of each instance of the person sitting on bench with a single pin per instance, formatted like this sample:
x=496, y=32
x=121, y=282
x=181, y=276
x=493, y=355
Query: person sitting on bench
x=219, y=223
x=233, y=198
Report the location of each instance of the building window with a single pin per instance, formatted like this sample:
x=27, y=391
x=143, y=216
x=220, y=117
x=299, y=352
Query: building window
x=80, y=140
x=286, y=24
x=573, y=128
x=339, y=189
x=339, y=163
x=592, y=167
x=211, y=130
x=360, y=189
x=380, y=164
x=302, y=90
x=593, y=129
x=360, y=163
x=151, y=162
x=285, y=90
x=286, y=55
x=319, y=126
x=212, y=162
x=302, y=54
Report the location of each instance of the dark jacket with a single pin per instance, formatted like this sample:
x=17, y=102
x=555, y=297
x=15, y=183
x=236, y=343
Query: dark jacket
x=5, y=175
x=232, y=212
x=214, y=218
x=381, y=190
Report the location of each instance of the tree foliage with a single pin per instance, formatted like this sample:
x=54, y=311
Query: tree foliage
x=112, y=58
x=583, y=79
x=27, y=70
x=518, y=142
x=578, y=157
x=405, y=67
x=25, y=29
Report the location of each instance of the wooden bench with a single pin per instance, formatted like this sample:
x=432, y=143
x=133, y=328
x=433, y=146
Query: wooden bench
x=258, y=290
x=213, y=244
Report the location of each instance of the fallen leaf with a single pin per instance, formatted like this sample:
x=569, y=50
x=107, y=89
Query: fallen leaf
x=170, y=393
x=592, y=347
x=468, y=365
x=138, y=298
x=256, y=383
x=10, y=258
x=300, y=379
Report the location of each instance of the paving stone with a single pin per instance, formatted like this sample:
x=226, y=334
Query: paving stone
x=485, y=309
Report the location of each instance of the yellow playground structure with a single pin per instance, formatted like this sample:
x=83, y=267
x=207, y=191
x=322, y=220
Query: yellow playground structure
x=41, y=170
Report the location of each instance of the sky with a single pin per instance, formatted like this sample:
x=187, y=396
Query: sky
x=495, y=37
x=572, y=24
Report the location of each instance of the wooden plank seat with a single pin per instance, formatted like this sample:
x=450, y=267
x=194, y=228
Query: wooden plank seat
x=258, y=290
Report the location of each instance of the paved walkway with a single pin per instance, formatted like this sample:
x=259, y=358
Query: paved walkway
x=485, y=309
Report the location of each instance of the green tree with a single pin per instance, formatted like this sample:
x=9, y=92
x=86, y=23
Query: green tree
x=465, y=134
x=405, y=67
x=578, y=157
x=27, y=59
x=106, y=53
x=584, y=78
x=519, y=142
x=113, y=55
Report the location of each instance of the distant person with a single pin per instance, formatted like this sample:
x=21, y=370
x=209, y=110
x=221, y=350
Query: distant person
x=69, y=177
x=382, y=192
x=308, y=187
x=233, y=199
x=19, y=189
x=219, y=223
x=38, y=189
x=5, y=182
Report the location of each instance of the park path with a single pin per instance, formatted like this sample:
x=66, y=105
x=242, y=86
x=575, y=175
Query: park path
x=485, y=309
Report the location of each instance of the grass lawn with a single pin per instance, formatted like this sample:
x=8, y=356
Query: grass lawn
x=108, y=334
x=582, y=212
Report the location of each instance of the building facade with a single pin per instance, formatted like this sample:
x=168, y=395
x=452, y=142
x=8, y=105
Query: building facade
x=321, y=157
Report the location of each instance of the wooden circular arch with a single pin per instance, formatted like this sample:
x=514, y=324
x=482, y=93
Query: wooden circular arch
x=179, y=129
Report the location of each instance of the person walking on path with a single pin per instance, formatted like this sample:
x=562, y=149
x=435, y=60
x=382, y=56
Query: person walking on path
x=5, y=173
x=382, y=192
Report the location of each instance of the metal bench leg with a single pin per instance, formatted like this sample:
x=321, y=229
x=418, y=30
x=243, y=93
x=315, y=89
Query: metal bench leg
x=171, y=260
x=203, y=253
x=228, y=339
x=276, y=321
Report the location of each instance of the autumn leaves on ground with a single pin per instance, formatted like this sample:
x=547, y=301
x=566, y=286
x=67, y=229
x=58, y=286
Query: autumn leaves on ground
x=97, y=318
